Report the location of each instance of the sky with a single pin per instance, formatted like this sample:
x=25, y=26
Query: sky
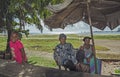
x=79, y=27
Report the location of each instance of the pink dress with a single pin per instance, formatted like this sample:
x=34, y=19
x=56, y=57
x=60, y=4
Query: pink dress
x=16, y=47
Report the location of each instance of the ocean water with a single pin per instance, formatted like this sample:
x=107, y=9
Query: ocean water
x=107, y=33
x=79, y=33
x=82, y=33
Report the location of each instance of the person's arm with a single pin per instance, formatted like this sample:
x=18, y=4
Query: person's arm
x=73, y=54
x=93, y=49
x=81, y=48
x=91, y=55
x=80, y=56
x=71, y=50
x=21, y=47
x=13, y=54
x=55, y=55
x=11, y=51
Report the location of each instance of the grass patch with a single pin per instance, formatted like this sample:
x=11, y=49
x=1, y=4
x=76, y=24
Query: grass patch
x=46, y=45
x=108, y=56
x=3, y=43
x=108, y=37
x=117, y=71
x=42, y=61
x=100, y=48
x=41, y=36
x=51, y=36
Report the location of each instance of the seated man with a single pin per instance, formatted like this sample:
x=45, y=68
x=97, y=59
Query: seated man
x=64, y=54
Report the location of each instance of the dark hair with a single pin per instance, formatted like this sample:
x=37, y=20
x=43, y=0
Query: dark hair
x=62, y=35
x=19, y=35
x=86, y=38
x=15, y=32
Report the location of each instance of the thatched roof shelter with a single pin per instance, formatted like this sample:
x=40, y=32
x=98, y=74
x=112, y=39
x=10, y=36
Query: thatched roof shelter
x=103, y=13
x=97, y=13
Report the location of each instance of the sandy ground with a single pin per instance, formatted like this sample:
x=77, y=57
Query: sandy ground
x=113, y=45
x=107, y=67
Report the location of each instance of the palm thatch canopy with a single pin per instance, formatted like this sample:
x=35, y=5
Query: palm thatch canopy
x=103, y=13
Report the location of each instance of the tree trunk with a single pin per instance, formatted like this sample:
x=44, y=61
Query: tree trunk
x=9, y=30
x=8, y=39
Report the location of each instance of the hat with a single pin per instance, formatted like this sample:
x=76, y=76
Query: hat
x=62, y=36
x=86, y=38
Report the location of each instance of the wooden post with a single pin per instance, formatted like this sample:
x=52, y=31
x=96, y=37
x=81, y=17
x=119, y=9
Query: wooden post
x=91, y=31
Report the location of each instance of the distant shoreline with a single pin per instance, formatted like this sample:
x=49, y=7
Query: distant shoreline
x=82, y=33
x=79, y=33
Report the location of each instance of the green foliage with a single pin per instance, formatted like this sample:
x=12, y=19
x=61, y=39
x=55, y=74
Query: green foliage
x=117, y=71
x=57, y=1
x=21, y=12
x=25, y=11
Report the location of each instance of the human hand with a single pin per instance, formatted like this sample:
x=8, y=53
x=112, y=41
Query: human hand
x=12, y=58
x=81, y=48
x=88, y=60
x=78, y=67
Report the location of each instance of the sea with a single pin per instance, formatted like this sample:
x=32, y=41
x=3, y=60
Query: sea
x=81, y=33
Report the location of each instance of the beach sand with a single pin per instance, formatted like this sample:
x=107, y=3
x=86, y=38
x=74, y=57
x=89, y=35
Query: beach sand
x=109, y=67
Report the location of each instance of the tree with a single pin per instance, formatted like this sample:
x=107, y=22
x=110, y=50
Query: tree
x=21, y=12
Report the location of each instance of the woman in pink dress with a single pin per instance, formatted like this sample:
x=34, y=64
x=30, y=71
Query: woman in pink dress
x=17, y=49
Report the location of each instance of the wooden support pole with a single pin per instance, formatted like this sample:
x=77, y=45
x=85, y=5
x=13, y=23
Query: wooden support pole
x=91, y=31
